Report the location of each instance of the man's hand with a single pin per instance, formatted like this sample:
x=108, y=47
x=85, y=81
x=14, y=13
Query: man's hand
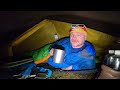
x=67, y=68
x=51, y=52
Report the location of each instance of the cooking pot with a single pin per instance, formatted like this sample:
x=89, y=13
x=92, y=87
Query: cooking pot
x=116, y=62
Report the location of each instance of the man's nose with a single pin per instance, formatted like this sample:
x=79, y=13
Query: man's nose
x=74, y=36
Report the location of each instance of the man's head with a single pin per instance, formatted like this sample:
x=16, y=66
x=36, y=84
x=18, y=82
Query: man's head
x=78, y=35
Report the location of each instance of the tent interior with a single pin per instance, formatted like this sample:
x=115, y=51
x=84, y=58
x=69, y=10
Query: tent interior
x=23, y=31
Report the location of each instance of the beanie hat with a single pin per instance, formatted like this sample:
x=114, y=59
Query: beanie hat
x=79, y=28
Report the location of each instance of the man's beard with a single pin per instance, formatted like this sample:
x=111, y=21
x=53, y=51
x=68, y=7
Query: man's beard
x=77, y=45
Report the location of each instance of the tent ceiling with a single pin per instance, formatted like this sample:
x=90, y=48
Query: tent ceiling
x=13, y=23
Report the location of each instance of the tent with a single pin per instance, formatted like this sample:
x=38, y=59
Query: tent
x=43, y=33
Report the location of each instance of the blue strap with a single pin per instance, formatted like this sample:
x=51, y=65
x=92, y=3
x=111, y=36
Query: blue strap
x=49, y=72
x=41, y=69
x=28, y=70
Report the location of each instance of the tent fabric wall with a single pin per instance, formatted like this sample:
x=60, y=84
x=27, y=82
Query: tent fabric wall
x=43, y=33
x=100, y=40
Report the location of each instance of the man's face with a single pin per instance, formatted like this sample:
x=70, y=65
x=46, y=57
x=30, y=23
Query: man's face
x=77, y=39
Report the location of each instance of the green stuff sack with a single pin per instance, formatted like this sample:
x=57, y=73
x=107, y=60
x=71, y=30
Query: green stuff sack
x=39, y=54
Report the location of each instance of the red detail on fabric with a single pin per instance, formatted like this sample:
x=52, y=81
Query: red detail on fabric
x=84, y=28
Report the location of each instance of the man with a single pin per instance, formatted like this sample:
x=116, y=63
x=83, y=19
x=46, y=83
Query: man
x=79, y=53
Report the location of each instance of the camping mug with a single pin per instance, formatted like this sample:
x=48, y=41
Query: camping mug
x=58, y=56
